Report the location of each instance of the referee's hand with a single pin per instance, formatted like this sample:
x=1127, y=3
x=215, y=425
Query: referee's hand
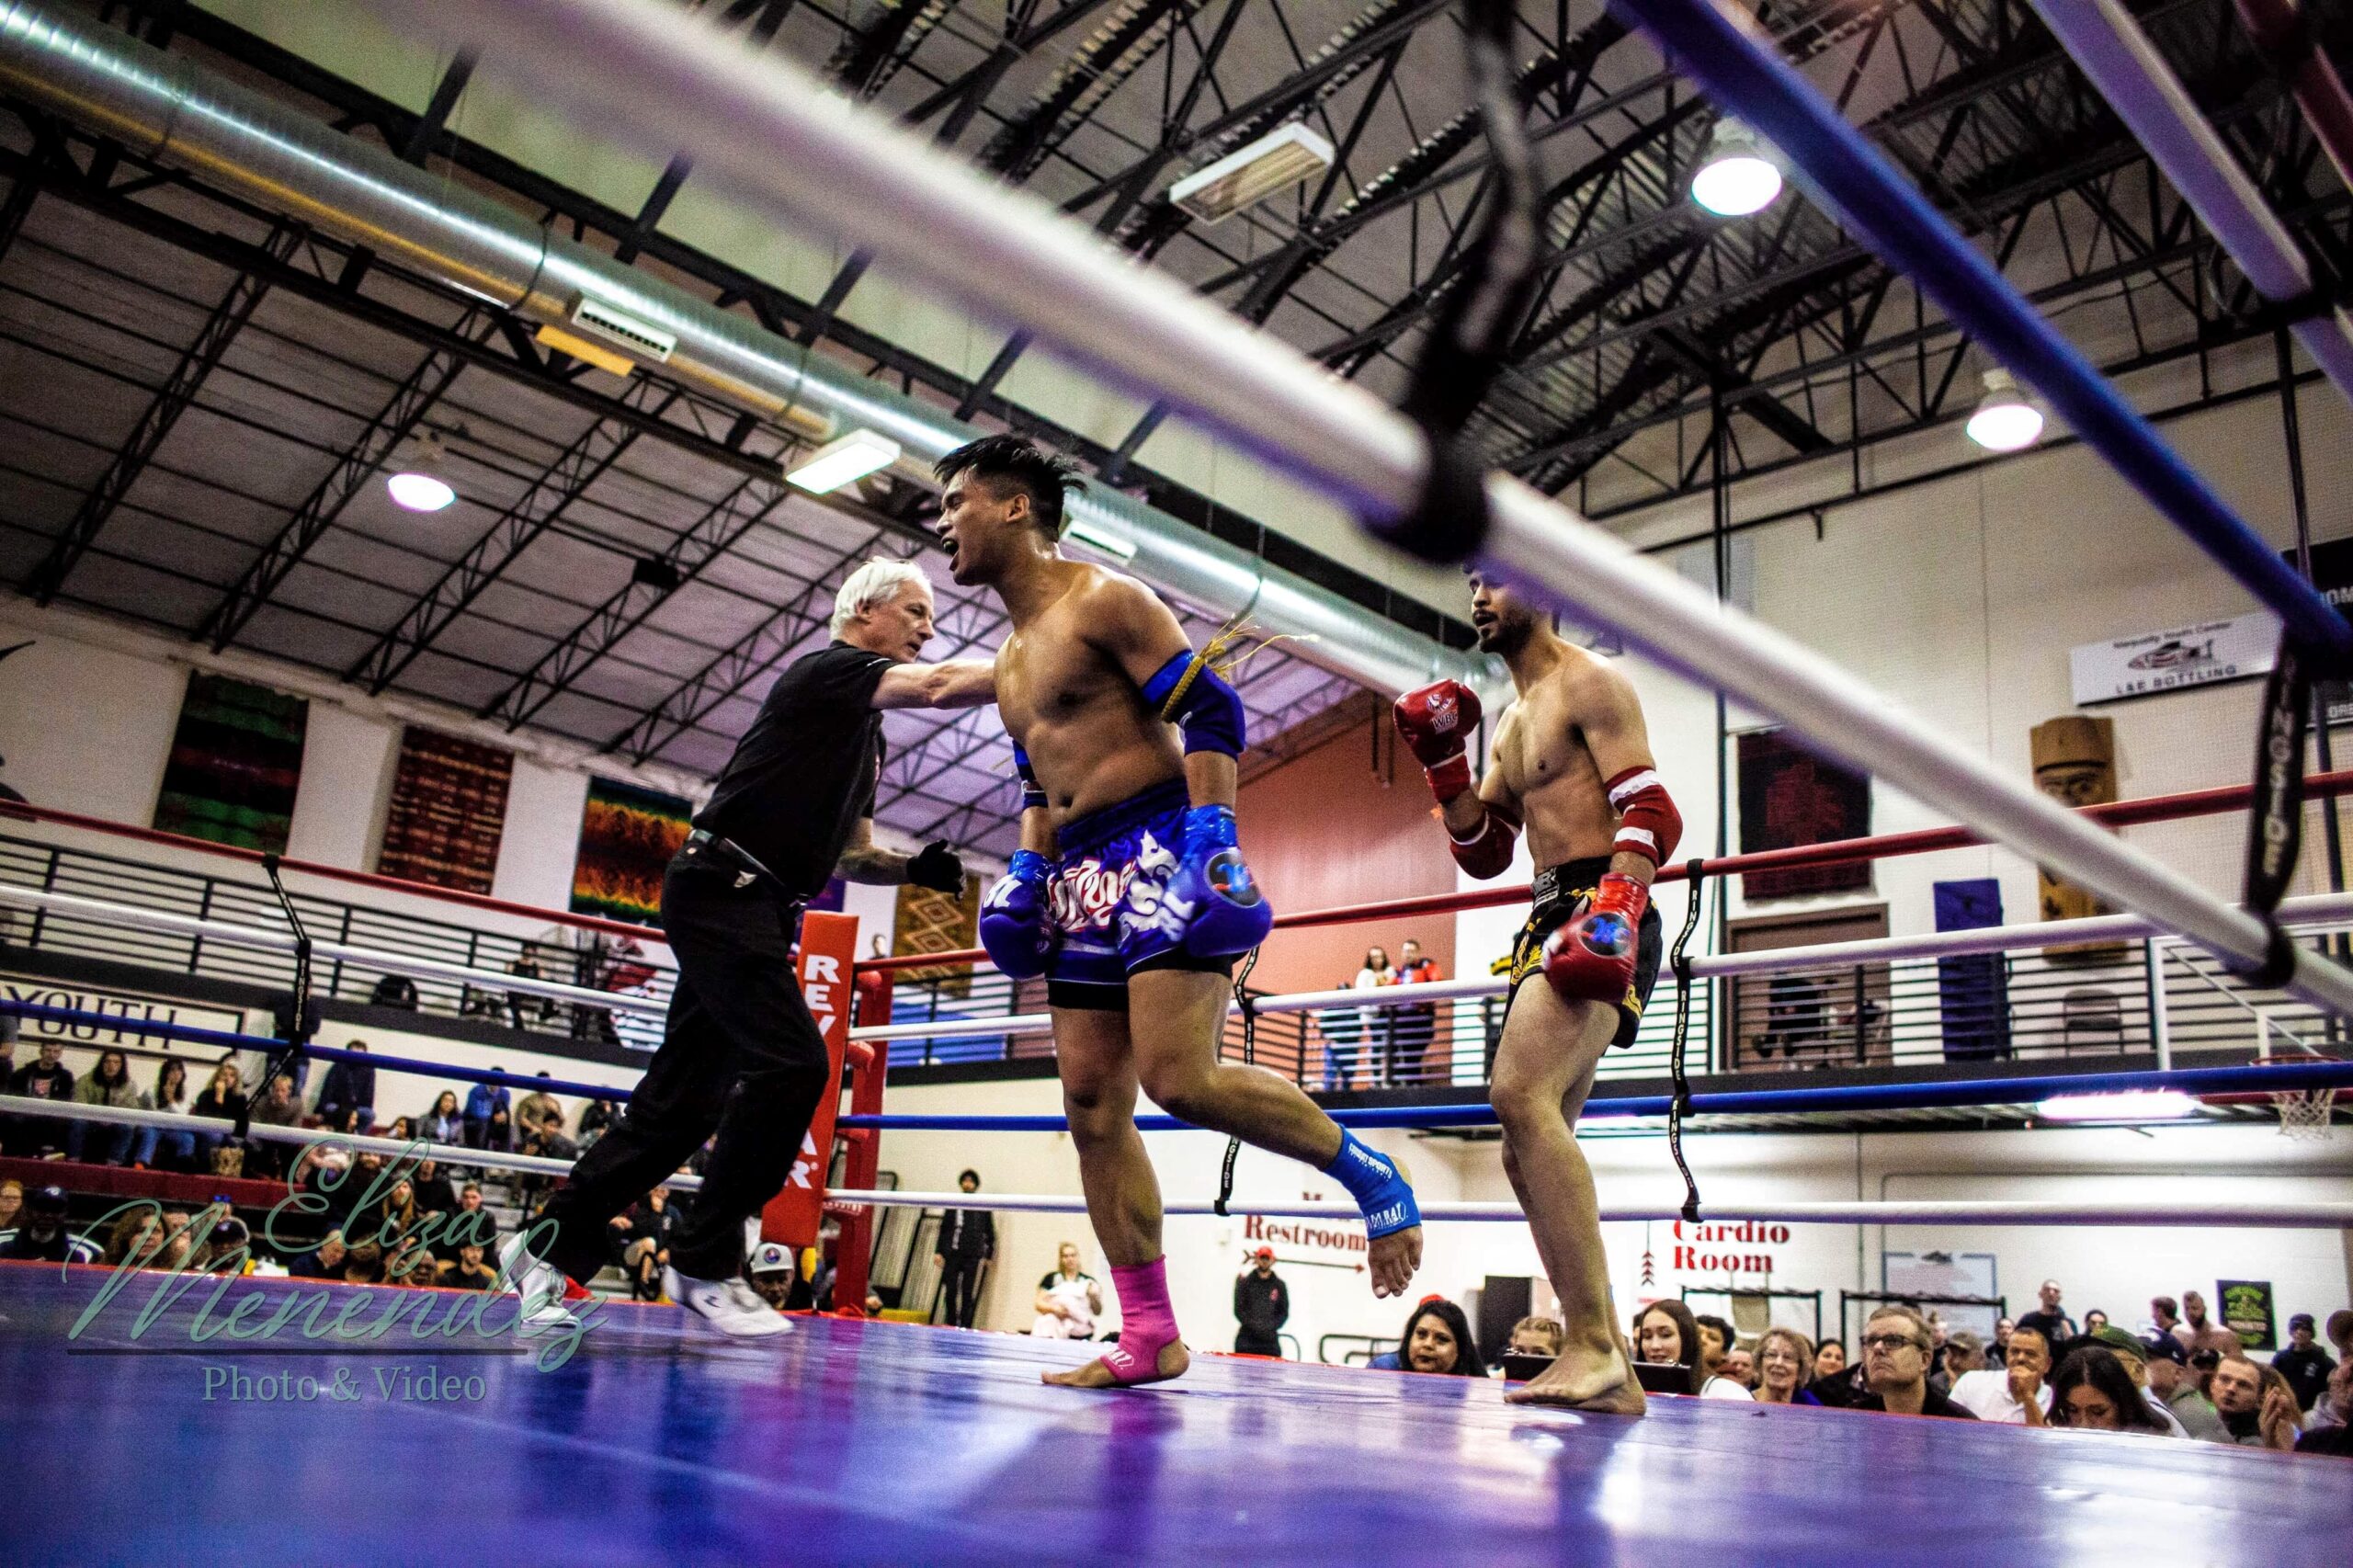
x=937, y=868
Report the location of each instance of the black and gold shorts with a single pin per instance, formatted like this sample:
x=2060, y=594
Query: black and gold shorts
x=1559, y=894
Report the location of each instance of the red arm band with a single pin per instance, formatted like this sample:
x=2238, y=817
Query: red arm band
x=1648, y=823
x=1487, y=853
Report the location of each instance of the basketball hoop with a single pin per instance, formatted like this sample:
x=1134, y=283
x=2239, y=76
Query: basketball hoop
x=2306, y=1115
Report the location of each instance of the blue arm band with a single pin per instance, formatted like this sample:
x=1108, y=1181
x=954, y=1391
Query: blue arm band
x=1199, y=700
x=1032, y=793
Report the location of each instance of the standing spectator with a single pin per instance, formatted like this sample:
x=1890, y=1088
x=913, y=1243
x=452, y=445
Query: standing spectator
x=347, y=1095
x=1416, y=1023
x=1069, y=1300
x=2257, y=1413
x=2003, y=1394
x=2093, y=1391
x=278, y=1108
x=1895, y=1367
x=2055, y=1326
x=540, y=1116
x=1341, y=1028
x=521, y=1004
x=1261, y=1305
x=109, y=1084
x=1784, y=1366
x=2197, y=1333
x=2304, y=1364
x=224, y=1100
x=170, y=1096
x=1963, y=1353
x=1436, y=1340
x=443, y=1123
x=1666, y=1334
x=2165, y=1316
x=45, y=1079
x=1998, y=1353
x=967, y=1244
x=485, y=1108
x=1375, y=1026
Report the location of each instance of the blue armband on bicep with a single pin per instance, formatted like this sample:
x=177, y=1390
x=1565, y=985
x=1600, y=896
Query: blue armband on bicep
x=1197, y=698
x=1033, y=794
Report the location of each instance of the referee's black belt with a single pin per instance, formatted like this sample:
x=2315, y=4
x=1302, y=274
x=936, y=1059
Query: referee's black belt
x=743, y=859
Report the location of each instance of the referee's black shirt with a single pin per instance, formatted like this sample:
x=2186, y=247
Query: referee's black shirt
x=804, y=773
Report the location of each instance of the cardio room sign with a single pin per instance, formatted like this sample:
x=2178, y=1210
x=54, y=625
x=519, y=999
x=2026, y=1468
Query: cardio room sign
x=2155, y=661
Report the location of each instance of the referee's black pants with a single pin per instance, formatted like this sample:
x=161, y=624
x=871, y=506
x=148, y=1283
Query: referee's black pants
x=741, y=1056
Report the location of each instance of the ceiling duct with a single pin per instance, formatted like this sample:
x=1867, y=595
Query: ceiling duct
x=170, y=110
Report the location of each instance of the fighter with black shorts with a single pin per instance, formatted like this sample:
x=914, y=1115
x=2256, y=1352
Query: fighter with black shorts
x=1572, y=764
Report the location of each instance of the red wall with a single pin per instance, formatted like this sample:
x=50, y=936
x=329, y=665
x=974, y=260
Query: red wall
x=1322, y=829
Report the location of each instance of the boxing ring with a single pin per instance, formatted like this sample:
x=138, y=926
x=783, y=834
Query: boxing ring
x=858, y=1441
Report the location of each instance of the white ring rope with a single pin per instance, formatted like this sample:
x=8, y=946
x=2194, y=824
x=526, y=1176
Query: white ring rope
x=770, y=134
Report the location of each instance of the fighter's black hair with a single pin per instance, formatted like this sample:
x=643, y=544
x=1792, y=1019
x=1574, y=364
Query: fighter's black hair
x=1016, y=460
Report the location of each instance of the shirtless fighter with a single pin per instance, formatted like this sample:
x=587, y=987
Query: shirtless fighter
x=1572, y=761
x=1128, y=892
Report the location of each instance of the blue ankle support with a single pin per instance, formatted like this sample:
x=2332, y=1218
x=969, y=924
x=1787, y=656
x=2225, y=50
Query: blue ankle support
x=1378, y=1188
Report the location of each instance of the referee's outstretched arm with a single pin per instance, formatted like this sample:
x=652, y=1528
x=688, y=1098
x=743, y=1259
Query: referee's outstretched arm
x=958, y=683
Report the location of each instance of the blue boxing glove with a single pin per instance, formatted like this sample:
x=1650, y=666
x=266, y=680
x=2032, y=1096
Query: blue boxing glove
x=1020, y=940
x=1212, y=893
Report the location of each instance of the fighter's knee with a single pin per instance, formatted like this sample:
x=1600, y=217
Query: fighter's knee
x=1186, y=1096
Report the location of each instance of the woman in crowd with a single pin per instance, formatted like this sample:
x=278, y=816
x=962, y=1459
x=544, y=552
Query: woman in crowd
x=171, y=1095
x=1437, y=1339
x=12, y=1204
x=108, y=1084
x=222, y=1099
x=1535, y=1336
x=1665, y=1335
x=1374, y=1024
x=1784, y=1366
x=2094, y=1320
x=2092, y=1390
x=1068, y=1301
x=1829, y=1359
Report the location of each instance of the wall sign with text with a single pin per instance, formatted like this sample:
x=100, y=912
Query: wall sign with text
x=2205, y=653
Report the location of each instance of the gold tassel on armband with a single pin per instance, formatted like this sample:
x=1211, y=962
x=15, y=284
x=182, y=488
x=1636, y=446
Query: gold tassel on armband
x=1217, y=653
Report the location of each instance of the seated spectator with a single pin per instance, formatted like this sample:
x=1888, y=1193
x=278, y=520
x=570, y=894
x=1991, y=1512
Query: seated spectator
x=108, y=1084
x=228, y=1248
x=641, y=1241
x=2094, y=1320
x=1666, y=1334
x=363, y=1264
x=2003, y=1394
x=2165, y=1316
x=1998, y=1353
x=470, y=1272
x=2092, y=1390
x=1536, y=1336
x=222, y=1099
x=501, y=1136
x=2340, y=1332
x=434, y=1193
x=443, y=1124
x=539, y=1116
x=1963, y=1353
x=388, y=1218
x=2133, y=1355
x=321, y=1262
x=482, y=1101
x=2197, y=1333
x=409, y=1261
x=278, y=1108
x=170, y=1096
x=1716, y=1336
x=1436, y=1340
x=596, y=1119
x=1895, y=1367
x=179, y=1240
x=1829, y=1358
x=2303, y=1363
x=467, y=1222
x=1784, y=1366
x=773, y=1273
x=43, y=1236
x=2333, y=1408
x=48, y=1078
x=1069, y=1300
x=347, y=1095
x=1738, y=1364
x=2257, y=1412
x=134, y=1239
x=2055, y=1326
x=12, y=1206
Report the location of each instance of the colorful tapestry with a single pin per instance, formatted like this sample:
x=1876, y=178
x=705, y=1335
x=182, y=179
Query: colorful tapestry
x=448, y=811
x=930, y=922
x=627, y=837
x=236, y=760
x=1790, y=798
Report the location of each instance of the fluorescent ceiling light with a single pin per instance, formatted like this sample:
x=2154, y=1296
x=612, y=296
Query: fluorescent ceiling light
x=2130, y=1105
x=1738, y=176
x=1277, y=161
x=2005, y=420
x=418, y=480
x=837, y=463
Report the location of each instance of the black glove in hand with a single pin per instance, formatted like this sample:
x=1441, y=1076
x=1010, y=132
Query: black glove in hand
x=937, y=868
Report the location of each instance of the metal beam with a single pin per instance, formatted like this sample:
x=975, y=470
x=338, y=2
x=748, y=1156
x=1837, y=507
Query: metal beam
x=175, y=398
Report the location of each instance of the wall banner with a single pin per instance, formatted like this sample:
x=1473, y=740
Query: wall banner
x=2203, y=653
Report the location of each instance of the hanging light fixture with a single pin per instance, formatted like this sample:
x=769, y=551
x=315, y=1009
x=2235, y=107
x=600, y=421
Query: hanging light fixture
x=2006, y=419
x=1739, y=176
x=418, y=475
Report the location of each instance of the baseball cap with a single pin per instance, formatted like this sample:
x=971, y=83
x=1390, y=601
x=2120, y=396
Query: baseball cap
x=771, y=1257
x=2302, y=1320
x=2163, y=1348
x=49, y=1199
x=2121, y=1341
x=1263, y=1252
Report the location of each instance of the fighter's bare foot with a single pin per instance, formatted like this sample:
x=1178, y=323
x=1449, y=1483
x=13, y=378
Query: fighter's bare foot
x=1607, y=1389
x=1394, y=1259
x=1096, y=1374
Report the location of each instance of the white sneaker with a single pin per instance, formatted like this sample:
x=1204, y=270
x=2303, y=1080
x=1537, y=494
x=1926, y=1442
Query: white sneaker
x=541, y=1286
x=731, y=1305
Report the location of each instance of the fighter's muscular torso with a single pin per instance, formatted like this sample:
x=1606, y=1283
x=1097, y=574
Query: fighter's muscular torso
x=1570, y=731
x=1069, y=686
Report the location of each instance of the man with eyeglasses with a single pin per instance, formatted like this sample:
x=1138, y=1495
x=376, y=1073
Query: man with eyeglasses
x=1895, y=1367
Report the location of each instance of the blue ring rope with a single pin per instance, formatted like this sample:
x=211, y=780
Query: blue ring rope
x=1852, y=177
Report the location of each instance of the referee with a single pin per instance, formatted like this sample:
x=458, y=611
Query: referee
x=741, y=1056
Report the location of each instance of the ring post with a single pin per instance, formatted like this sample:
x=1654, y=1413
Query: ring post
x=854, y=1247
x=828, y=961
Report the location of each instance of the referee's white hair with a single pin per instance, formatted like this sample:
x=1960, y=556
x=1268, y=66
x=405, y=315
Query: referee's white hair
x=876, y=583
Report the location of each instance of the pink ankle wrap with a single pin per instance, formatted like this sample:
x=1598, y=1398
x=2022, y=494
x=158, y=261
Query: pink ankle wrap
x=1147, y=1323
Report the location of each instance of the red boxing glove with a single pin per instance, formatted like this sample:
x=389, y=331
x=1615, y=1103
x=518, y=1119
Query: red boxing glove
x=1591, y=959
x=1435, y=722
